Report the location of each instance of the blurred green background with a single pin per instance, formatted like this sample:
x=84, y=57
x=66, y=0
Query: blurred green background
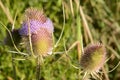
x=98, y=20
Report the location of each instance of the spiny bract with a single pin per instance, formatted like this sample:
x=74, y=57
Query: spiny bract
x=93, y=58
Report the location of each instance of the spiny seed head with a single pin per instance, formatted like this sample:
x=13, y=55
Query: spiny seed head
x=35, y=14
x=35, y=19
x=93, y=58
x=40, y=28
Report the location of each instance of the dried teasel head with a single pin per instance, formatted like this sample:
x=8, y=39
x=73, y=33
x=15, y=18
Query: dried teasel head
x=93, y=58
x=40, y=28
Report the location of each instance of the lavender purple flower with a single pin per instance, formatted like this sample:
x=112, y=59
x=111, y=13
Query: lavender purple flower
x=41, y=29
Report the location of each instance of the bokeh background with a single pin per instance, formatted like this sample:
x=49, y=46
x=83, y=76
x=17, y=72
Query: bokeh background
x=76, y=23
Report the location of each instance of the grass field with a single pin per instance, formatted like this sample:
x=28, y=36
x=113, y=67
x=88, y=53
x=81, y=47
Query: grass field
x=77, y=23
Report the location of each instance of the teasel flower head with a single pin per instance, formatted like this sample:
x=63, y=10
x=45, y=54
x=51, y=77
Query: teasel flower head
x=93, y=58
x=40, y=29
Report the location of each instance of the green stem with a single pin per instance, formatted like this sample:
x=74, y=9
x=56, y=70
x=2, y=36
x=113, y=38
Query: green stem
x=38, y=68
x=13, y=65
x=79, y=34
x=79, y=37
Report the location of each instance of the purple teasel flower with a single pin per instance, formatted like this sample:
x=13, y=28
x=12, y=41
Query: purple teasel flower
x=41, y=29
